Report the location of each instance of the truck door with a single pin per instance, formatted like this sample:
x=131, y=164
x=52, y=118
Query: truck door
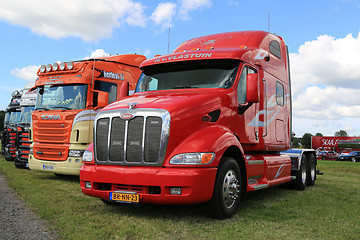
x=246, y=121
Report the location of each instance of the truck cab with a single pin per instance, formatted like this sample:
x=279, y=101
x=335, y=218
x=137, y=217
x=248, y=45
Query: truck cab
x=13, y=113
x=27, y=105
x=69, y=95
x=207, y=123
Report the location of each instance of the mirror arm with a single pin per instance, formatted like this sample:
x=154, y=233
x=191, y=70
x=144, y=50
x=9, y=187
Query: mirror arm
x=242, y=108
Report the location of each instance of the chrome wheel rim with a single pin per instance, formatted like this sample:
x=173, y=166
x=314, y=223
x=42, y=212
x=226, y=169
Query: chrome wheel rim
x=230, y=189
x=303, y=173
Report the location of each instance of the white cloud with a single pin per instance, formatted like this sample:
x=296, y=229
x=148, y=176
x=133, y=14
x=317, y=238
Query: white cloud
x=164, y=14
x=97, y=53
x=192, y=5
x=326, y=84
x=88, y=19
x=28, y=73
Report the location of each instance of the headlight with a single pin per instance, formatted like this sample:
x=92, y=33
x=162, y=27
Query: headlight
x=87, y=157
x=192, y=158
x=55, y=66
x=48, y=67
x=76, y=153
x=42, y=68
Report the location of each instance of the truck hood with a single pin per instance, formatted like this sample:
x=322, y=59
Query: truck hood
x=175, y=102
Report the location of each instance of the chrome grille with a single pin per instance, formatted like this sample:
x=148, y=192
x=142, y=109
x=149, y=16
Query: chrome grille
x=140, y=140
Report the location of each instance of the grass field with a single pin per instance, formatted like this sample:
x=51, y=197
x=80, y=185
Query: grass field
x=328, y=210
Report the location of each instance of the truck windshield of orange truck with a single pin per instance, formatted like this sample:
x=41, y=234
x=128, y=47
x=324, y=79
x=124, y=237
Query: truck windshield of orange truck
x=61, y=97
x=190, y=74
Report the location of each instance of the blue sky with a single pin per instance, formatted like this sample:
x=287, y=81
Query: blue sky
x=323, y=39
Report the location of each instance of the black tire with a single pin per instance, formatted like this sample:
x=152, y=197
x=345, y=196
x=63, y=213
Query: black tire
x=110, y=203
x=301, y=175
x=311, y=171
x=227, y=190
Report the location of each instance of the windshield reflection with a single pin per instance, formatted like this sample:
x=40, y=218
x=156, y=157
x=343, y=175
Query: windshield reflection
x=61, y=97
x=26, y=114
x=195, y=74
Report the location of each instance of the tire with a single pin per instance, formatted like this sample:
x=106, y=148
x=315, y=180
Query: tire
x=353, y=159
x=301, y=175
x=311, y=171
x=227, y=190
x=110, y=203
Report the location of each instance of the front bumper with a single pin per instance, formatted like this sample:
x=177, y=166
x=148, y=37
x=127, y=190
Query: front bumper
x=70, y=166
x=197, y=184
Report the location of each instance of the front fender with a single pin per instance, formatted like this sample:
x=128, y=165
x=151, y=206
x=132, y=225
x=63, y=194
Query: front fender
x=214, y=139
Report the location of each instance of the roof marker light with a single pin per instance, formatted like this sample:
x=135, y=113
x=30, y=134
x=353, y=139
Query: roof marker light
x=48, y=67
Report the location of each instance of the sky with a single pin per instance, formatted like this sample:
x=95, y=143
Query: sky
x=322, y=36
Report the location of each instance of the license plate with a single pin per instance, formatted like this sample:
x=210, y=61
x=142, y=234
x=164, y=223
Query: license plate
x=48, y=167
x=124, y=197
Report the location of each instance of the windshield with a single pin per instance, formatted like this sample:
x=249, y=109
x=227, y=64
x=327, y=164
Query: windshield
x=195, y=74
x=61, y=97
x=7, y=117
x=14, y=117
x=26, y=114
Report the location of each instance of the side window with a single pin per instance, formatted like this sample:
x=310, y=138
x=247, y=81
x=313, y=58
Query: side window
x=274, y=48
x=111, y=88
x=279, y=94
x=242, y=83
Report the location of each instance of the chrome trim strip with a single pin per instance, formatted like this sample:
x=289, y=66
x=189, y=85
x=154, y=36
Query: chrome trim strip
x=255, y=162
x=260, y=186
x=125, y=139
x=143, y=141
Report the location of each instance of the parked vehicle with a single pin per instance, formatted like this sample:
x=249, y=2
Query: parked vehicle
x=353, y=156
x=69, y=96
x=207, y=124
x=27, y=105
x=13, y=112
x=327, y=155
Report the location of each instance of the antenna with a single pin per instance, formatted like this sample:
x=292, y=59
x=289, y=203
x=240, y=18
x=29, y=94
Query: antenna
x=168, y=41
x=268, y=22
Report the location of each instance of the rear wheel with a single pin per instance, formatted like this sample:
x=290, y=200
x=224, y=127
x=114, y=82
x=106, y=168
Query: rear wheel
x=353, y=159
x=227, y=190
x=311, y=171
x=301, y=175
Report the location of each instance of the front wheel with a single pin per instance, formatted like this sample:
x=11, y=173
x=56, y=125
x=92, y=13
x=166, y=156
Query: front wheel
x=353, y=159
x=227, y=190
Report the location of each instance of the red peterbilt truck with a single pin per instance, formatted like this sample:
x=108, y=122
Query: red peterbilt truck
x=207, y=123
x=69, y=96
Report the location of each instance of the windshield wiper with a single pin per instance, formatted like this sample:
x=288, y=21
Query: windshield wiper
x=67, y=108
x=180, y=87
x=42, y=108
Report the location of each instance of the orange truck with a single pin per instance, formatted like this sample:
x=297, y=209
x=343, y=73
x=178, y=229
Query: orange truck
x=69, y=97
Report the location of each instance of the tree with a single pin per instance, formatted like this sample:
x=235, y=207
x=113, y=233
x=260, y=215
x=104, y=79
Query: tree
x=319, y=135
x=341, y=133
x=296, y=142
x=306, y=140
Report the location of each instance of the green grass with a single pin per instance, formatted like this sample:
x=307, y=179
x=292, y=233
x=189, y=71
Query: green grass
x=328, y=210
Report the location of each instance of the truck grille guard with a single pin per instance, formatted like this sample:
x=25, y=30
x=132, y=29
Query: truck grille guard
x=131, y=137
